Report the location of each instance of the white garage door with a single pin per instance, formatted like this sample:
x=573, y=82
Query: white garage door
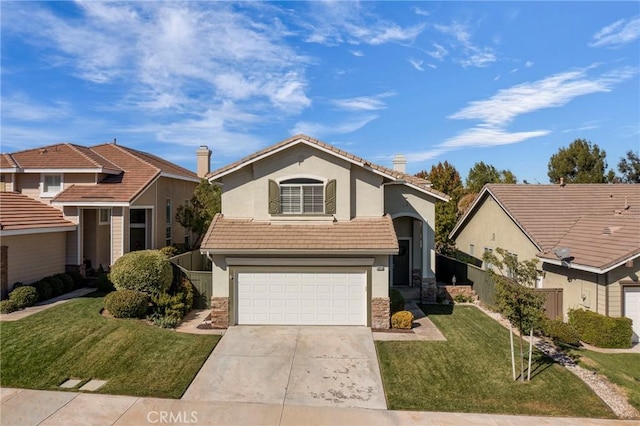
x=302, y=298
x=632, y=308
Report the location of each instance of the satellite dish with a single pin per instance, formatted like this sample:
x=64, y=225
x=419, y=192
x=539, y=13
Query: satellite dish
x=562, y=252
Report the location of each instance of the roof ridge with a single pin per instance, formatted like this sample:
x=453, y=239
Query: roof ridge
x=79, y=151
x=12, y=160
x=126, y=150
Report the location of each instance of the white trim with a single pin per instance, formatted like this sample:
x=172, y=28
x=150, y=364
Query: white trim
x=298, y=261
x=322, y=179
x=10, y=170
x=586, y=268
x=179, y=177
x=11, y=232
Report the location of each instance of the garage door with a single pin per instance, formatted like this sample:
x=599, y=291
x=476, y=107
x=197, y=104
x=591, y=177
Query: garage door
x=632, y=308
x=302, y=298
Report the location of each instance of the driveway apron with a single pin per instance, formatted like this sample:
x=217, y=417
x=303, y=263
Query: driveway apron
x=292, y=365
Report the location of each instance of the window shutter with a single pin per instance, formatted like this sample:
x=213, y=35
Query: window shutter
x=274, y=197
x=330, y=197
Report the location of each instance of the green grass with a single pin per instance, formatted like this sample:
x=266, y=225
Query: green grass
x=621, y=369
x=73, y=340
x=471, y=372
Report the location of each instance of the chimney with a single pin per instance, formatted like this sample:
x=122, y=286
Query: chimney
x=400, y=163
x=562, y=182
x=203, y=164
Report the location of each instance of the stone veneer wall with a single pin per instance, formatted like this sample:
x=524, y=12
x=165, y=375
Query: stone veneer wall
x=451, y=291
x=380, y=313
x=429, y=290
x=220, y=312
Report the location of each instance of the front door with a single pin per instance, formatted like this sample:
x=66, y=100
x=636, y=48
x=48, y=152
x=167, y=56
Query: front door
x=401, y=264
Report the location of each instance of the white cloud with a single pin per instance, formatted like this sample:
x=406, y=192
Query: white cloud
x=421, y=12
x=438, y=52
x=357, y=53
x=363, y=103
x=320, y=130
x=19, y=107
x=528, y=64
x=416, y=64
x=471, y=55
x=513, y=71
x=617, y=34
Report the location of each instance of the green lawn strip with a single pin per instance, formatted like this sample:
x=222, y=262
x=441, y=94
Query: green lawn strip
x=471, y=372
x=621, y=369
x=74, y=341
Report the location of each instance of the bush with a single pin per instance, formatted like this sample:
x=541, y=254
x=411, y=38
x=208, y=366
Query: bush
x=164, y=322
x=78, y=280
x=57, y=287
x=7, y=306
x=44, y=289
x=67, y=282
x=148, y=271
x=598, y=330
x=104, y=284
x=397, y=300
x=168, y=251
x=402, y=320
x=24, y=297
x=461, y=298
x=126, y=303
x=561, y=332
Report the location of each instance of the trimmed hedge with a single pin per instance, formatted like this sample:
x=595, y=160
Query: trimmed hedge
x=44, y=289
x=126, y=303
x=561, y=332
x=601, y=331
x=7, y=306
x=24, y=296
x=148, y=271
x=67, y=282
x=397, y=300
x=104, y=283
x=57, y=287
x=402, y=320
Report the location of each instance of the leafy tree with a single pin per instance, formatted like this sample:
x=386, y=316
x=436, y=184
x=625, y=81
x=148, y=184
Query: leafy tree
x=580, y=162
x=445, y=178
x=515, y=295
x=630, y=167
x=196, y=215
x=481, y=174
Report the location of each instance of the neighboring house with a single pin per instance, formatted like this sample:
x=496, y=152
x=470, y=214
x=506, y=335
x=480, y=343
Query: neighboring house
x=586, y=237
x=119, y=199
x=33, y=239
x=310, y=234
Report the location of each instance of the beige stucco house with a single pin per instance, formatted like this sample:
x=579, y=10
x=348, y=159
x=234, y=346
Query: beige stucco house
x=310, y=234
x=585, y=236
x=118, y=199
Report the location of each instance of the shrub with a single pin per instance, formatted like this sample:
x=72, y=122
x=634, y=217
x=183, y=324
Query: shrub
x=402, y=320
x=67, y=282
x=601, y=331
x=78, y=280
x=126, y=303
x=57, y=287
x=148, y=271
x=462, y=298
x=561, y=332
x=7, y=306
x=164, y=322
x=44, y=289
x=168, y=251
x=104, y=284
x=24, y=297
x=397, y=300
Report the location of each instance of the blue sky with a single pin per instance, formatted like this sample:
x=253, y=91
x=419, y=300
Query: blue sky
x=507, y=83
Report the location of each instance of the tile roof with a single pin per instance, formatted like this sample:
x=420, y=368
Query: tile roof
x=572, y=216
x=7, y=162
x=20, y=212
x=228, y=235
x=422, y=184
x=62, y=156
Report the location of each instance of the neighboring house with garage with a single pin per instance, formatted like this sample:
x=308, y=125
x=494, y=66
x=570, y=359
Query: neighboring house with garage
x=310, y=234
x=118, y=199
x=586, y=237
x=33, y=240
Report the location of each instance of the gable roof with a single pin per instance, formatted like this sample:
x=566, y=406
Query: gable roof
x=20, y=214
x=420, y=184
x=62, y=156
x=571, y=216
x=237, y=236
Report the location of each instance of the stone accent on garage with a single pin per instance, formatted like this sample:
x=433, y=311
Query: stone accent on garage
x=220, y=312
x=380, y=313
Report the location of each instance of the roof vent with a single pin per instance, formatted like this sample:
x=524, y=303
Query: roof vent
x=43, y=150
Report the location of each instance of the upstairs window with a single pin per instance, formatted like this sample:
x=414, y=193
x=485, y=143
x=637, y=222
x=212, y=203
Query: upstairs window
x=302, y=196
x=51, y=185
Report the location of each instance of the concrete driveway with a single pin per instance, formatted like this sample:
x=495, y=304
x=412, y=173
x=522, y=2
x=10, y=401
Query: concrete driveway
x=314, y=366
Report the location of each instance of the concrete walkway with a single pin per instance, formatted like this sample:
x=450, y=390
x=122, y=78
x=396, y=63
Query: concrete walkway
x=292, y=365
x=39, y=307
x=29, y=407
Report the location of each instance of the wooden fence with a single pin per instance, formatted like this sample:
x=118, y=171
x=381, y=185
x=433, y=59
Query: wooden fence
x=197, y=268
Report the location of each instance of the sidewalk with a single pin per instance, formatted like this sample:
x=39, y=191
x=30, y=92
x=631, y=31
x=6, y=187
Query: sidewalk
x=30, y=407
x=39, y=307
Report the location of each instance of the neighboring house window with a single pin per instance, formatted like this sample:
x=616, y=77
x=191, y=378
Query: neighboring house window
x=105, y=217
x=302, y=196
x=487, y=265
x=3, y=184
x=168, y=222
x=51, y=185
x=471, y=249
x=137, y=229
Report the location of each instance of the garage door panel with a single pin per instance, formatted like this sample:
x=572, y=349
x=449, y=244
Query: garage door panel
x=302, y=298
x=632, y=309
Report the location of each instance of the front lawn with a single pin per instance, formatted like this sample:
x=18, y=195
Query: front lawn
x=471, y=372
x=621, y=369
x=74, y=341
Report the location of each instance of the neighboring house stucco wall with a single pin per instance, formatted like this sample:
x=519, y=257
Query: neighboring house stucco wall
x=35, y=256
x=366, y=196
x=29, y=185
